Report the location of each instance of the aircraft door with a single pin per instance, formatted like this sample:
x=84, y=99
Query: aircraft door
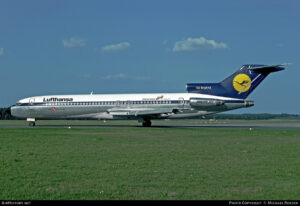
x=31, y=109
x=128, y=104
x=31, y=101
x=118, y=103
x=181, y=102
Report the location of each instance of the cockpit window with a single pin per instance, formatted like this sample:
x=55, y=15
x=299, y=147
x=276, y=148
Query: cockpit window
x=18, y=103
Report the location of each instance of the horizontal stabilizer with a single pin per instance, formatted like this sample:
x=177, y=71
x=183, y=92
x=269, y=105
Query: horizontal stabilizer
x=267, y=68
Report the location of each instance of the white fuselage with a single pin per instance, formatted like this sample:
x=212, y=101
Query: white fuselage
x=125, y=106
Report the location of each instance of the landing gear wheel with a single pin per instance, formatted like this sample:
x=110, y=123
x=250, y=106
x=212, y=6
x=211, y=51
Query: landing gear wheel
x=31, y=124
x=147, y=123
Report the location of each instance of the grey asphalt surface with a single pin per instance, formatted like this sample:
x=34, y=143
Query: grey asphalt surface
x=295, y=126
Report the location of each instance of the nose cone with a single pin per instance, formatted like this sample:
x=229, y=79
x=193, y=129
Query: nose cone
x=20, y=112
x=13, y=111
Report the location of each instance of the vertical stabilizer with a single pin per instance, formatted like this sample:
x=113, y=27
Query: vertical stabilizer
x=238, y=85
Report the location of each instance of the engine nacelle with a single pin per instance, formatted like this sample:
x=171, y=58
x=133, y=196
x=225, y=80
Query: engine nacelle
x=200, y=102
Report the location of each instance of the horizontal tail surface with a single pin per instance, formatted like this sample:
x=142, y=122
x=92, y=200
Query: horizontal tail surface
x=238, y=85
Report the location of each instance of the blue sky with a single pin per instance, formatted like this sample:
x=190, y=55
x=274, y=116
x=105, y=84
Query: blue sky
x=75, y=47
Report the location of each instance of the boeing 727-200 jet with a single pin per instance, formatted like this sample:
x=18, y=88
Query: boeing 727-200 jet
x=201, y=99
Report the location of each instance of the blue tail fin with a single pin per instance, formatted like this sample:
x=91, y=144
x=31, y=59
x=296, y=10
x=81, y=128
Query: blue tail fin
x=238, y=85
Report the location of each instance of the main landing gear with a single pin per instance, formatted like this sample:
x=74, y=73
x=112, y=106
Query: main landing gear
x=146, y=123
x=31, y=122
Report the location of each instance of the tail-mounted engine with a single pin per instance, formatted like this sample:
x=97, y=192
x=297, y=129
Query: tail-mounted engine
x=199, y=102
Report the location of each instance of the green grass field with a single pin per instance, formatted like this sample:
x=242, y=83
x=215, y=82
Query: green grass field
x=135, y=163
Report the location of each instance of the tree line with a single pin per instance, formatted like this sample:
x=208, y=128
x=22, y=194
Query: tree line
x=259, y=116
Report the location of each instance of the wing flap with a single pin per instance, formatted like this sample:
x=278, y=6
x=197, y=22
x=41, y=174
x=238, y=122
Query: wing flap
x=139, y=111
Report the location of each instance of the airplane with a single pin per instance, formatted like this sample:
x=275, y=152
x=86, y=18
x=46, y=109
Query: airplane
x=200, y=99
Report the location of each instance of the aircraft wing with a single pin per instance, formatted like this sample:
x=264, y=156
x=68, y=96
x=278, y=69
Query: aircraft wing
x=139, y=111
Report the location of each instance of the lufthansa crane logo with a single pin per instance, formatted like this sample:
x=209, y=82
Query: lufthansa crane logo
x=241, y=82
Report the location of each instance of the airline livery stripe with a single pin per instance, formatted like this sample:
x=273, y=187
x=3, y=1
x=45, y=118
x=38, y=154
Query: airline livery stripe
x=115, y=103
x=102, y=103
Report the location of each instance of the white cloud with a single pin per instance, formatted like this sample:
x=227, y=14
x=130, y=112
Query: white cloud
x=124, y=76
x=193, y=44
x=73, y=42
x=116, y=47
x=114, y=76
x=142, y=78
x=1, y=51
